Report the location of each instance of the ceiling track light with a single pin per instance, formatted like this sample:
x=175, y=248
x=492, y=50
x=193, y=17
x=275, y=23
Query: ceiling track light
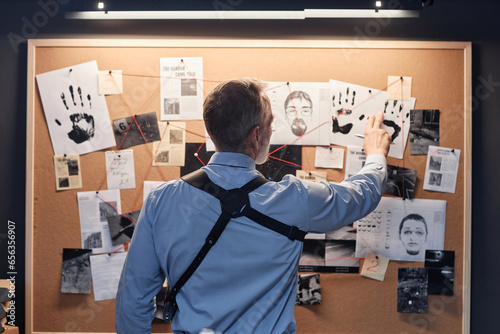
x=243, y=14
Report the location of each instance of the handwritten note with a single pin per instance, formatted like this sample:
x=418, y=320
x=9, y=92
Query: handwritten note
x=375, y=266
x=110, y=82
x=398, y=89
x=329, y=157
x=120, y=169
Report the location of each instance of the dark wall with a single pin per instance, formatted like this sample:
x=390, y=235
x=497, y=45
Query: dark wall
x=446, y=20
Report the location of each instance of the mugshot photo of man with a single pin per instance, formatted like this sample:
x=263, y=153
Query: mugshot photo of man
x=413, y=233
x=298, y=111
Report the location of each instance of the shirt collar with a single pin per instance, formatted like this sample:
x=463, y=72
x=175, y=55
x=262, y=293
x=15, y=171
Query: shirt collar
x=232, y=159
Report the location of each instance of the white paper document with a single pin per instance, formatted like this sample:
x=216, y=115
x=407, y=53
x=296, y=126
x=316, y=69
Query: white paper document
x=170, y=151
x=77, y=116
x=106, y=271
x=120, y=169
x=68, y=172
x=329, y=157
x=352, y=104
x=94, y=209
x=442, y=169
x=402, y=230
x=181, y=88
x=355, y=160
x=301, y=113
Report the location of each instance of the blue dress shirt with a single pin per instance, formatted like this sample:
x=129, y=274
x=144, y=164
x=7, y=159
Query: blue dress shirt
x=248, y=281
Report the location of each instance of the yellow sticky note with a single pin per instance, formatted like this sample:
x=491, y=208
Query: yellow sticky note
x=374, y=266
x=398, y=89
x=110, y=82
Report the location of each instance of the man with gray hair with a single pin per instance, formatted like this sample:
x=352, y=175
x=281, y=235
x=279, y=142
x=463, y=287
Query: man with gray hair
x=246, y=283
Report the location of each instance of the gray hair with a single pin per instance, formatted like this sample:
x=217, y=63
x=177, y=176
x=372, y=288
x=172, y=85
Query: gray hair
x=231, y=109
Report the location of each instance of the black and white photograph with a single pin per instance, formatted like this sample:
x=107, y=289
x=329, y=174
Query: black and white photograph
x=162, y=157
x=107, y=209
x=63, y=183
x=121, y=227
x=285, y=161
x=424, y=130
x=76, y=276
x=435, y=163
x=401, y=182
x=92, y=239
x=176, y=136
x=308, y=290
x=435, y=179
x=195, y=157
x=136, y=130
x=440, y=266
x=77, y=116
x=340, y=256
x=313, y=255
x=189, y=87
x=171, y=106
x=333, y=252
x=412, y=290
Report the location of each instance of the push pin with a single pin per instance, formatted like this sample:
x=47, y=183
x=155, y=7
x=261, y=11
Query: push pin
x=196, y=154
x=452, y=150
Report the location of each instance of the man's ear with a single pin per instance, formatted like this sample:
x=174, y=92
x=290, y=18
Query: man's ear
x=254, y=137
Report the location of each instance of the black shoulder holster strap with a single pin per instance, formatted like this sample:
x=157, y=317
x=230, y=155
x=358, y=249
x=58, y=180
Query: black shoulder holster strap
x=234, y=203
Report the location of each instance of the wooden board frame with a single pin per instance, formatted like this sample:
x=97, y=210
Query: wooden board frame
x=465, y=47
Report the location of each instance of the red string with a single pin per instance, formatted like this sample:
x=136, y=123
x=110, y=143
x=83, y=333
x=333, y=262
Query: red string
x=122, y=246
x=288, y=162
x=114, y=206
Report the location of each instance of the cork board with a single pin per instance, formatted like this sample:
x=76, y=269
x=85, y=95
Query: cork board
x=350, y=303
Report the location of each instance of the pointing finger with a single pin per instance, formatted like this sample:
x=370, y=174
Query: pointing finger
x=378, y=120
x=370, y=122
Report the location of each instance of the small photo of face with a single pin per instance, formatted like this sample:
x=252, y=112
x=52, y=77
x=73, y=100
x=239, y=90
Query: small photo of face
x=413, y=233
x=298, y=111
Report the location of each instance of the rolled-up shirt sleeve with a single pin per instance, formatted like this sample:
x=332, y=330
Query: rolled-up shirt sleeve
x=140, y=281
x=332, y=206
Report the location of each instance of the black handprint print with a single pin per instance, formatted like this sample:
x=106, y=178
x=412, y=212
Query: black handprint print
x=392, y=110
x=83, y=124
x=344, y=108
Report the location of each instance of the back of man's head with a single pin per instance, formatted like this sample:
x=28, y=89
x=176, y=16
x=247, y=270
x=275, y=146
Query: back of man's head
x=231, y=109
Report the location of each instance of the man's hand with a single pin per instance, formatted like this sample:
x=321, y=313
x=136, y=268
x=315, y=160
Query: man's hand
x=377, y=140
